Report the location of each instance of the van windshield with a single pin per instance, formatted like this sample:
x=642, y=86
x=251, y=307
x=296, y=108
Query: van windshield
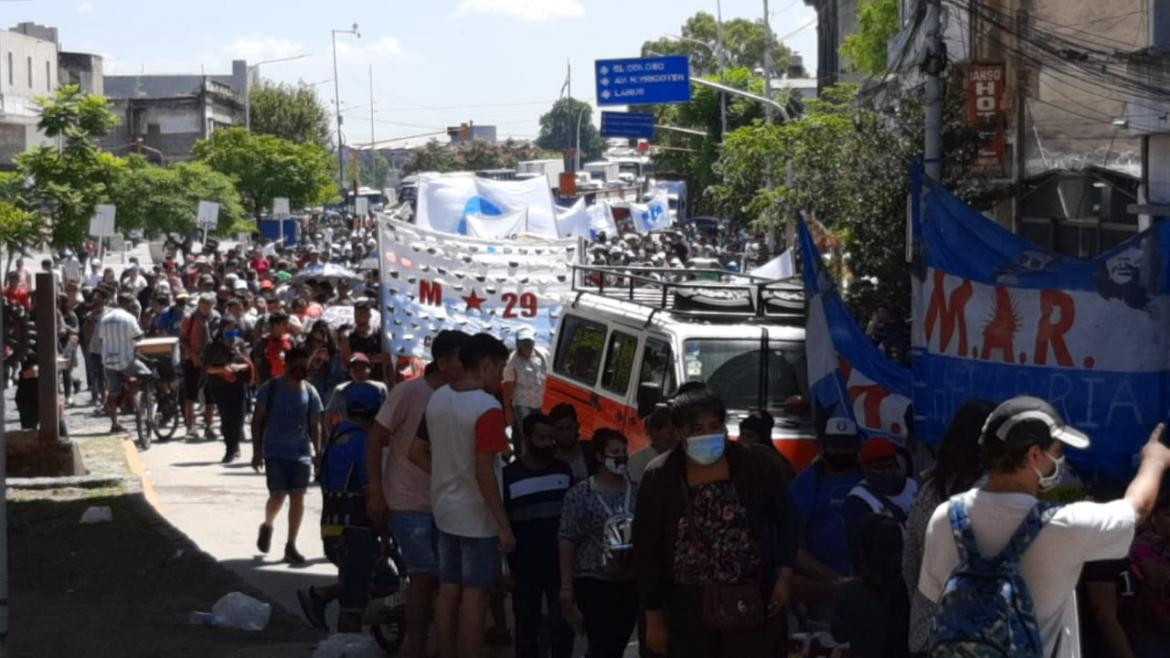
x=731, y=367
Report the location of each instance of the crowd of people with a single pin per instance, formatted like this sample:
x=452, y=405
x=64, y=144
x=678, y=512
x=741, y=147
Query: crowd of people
x=695, y=545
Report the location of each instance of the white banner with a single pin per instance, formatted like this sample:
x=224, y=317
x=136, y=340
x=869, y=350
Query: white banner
x=208, y=215
x=497, y=228
x=652, y=216
x=101, y=225
x=280, y=208
x=601, y=220
x=446, y=201
x=780, y=267
x=433, y=281
x=573, y=221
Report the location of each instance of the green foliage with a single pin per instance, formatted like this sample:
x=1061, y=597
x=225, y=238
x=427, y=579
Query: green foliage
x=68, y=183
x=850, y=170
x=264, y=167
x=373, y=169
x=431, y=156
x=289, y=112
x=19, y=229
x=865, y=50
x=558, y=129
x=166, y=199
x=240, y=226
x=743, y=40
x=696, y=156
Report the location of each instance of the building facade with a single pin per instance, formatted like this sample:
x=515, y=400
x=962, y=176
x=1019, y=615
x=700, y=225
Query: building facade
x=167, y=114
x=28, y=71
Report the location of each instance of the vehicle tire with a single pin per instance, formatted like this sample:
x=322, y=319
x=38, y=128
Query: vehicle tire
x=389, y=629
x=144, y=409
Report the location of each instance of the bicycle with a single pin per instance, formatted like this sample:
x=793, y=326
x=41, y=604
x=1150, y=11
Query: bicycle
x=157, y=406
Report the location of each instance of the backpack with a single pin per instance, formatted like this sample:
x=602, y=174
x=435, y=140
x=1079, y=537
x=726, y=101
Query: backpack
x=986, y=610
x=616, y=533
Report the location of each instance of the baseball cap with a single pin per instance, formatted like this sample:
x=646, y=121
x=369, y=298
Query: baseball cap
x=362, y=397
x=240, y=284
x=359, y=357
x=206, y=298
x=525, y=333
x=1026, y=420
x=840, y=429
x=182, y=294
x=877, y=449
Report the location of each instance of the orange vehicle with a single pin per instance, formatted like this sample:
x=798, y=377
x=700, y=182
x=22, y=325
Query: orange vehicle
x=632, y=334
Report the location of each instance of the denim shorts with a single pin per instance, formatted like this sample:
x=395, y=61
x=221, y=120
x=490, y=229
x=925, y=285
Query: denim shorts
x=468, y=561
x=416, y=536
x=286, y=476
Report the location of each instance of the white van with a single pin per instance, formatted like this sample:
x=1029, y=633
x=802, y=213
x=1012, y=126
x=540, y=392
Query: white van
x=632, y=335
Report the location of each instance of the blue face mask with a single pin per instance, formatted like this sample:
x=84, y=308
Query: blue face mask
x=705, y=449
x=231, y=335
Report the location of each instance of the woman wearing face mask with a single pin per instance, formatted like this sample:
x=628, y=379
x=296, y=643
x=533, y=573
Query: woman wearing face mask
x=714, y=541
x=596, y=559
x=228, y=374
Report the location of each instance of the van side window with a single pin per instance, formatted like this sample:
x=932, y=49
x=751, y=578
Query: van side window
x=619, y=363
x=658, y=366
x=579, y=349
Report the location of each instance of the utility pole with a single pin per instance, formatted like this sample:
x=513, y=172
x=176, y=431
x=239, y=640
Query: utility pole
x=723, y=64
x=935, y=62
x=767, y=62
x=371, y=107
x=337, y=108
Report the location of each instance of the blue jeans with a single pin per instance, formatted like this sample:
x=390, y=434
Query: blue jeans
x=468, y=561
x=416, y=536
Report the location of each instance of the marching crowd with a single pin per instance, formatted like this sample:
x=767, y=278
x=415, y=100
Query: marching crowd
x=695, y=545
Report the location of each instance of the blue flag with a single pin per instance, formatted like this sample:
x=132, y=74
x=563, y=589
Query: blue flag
x=847, y=375
x=996, y=316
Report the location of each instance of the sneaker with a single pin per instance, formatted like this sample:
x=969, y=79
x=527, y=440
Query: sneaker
x=264, y=540
x=117, y=429
x=291, y=555
x=313, y=608
x=230, y=457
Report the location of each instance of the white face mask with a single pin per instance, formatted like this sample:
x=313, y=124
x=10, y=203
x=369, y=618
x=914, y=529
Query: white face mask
x=1049, y=482
x=614, y=466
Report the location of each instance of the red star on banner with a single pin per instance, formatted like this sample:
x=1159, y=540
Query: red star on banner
x=474, y=301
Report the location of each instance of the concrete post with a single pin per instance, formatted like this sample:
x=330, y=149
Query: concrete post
x=46, y=322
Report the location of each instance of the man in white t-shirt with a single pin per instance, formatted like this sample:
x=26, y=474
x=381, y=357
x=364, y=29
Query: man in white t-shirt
x=399, y=491
x=1023, y=449
x=523, y=386
x=464, y=426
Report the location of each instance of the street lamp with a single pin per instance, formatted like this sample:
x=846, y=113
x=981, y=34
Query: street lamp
x=248, y=85
x=337, y=100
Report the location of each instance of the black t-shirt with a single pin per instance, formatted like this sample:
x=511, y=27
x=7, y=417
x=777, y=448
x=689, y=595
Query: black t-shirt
x=1119, y=574
x=533, y=499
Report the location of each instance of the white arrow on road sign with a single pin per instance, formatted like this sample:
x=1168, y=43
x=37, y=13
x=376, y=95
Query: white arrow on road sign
x=604, y=70
x=604, y=81
x=605, y=93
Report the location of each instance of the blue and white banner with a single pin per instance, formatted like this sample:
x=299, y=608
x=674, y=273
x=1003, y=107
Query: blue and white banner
x=448, y=202
x=997, y=316
x=847, y=375
x=433, y=281
x=652, y=216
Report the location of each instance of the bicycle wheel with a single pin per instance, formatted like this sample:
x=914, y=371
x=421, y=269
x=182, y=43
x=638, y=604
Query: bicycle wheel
x=144, y=408
x=169, y=413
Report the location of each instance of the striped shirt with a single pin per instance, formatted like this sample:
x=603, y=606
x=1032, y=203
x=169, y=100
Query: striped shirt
x=117, y=330
x=532, y=499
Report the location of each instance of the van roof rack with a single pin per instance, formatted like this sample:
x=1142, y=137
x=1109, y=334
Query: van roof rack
x=699, y=294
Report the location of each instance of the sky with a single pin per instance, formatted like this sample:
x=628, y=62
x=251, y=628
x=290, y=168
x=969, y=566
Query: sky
x=434, y=63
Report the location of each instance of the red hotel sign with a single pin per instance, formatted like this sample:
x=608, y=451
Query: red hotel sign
x=985, y=110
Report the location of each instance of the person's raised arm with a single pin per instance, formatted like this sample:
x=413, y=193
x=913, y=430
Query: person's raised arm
x=1143, y=490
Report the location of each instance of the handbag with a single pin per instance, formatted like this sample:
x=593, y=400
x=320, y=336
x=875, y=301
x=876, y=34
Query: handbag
x=733, y=607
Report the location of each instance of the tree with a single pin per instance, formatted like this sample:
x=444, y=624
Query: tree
x=289, y=112
x=431, y=156
x=850, y=168
x=558, y=129
x=264, y=167
x=20, y=229
x=743, y=40
x=513, y=152
x=166, y=199
x=67, y=183
x=374, y=170
x=478, y=155
x=865, y=50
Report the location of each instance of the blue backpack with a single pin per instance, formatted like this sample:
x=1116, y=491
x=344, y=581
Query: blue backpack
x=986, y=610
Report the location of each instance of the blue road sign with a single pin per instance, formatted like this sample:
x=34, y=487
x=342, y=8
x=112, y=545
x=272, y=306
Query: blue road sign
x=627, y=124
x=643, y=81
